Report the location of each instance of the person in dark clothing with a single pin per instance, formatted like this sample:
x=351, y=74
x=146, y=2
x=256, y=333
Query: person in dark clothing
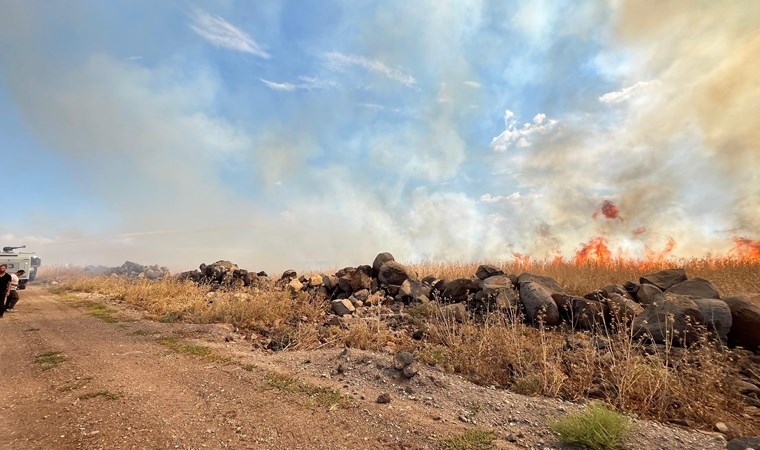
x=10, y=303
x=5, y=286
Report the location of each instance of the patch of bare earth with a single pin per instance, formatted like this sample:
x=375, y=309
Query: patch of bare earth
x=80, y=376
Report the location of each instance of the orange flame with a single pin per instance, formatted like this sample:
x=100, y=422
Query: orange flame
x=609, y=210
x=746, y=248
x=595, y=251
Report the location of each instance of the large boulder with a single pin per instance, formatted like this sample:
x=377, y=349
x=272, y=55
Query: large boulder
x=622, y=310
x=744, y=443
x=745, y=316
x=487, y=270
x=497, y=293
x=664, y=279
x=616, y=289
x=668, y=315
x=394, y=273
x=581, y=312
x=455, y=312
x=548, y=283
x=680, y=317
x=414, y=292
x=716, y=315
x=647, y=293
x=354, y=280
x=539, y=304
x=380, y=259
x=459, y=290
x=698, y=287
x=217, y=271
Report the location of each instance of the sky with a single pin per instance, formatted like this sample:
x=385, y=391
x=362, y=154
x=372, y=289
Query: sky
x=318, y=133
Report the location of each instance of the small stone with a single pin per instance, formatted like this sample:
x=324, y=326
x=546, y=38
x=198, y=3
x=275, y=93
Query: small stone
x=721, y=427
x=512, y=438
x=384, y=398
x=411, y=370
x=402, y=359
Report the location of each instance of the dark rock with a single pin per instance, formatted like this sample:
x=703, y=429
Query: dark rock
x=622, y=310
x=664, y=279
x=687, y=314
x=581, y=312
x=616, y=289
x=458, y=290
x=330, y=282
x=402, y=359
x=487, y=270
x=598, y=295
x=547, y=283
x=745, y=315
x=430, y=280
x=360, y=280
x=539, y=304
x=216, y=272
x=498, y=293
x=342, y=307
x=394, y=273
x=453, y=312
x=384, y=398
x=380, y=259
x=289, y=275
x=647, y=293
x=716, y=315
x=362, y=294
x=698, y=287
x=632, y=287
x=414, y=292
x=411, y=370
x=743, y=443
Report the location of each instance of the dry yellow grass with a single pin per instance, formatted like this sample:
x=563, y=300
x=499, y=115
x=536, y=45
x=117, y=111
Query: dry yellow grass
x=731, y=276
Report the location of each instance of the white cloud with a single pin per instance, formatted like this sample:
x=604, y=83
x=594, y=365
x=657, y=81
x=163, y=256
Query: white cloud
x=307, y=83
x=279, y=86
x=339, y=61
x=626, y=93
x=374, y=106
x=221, y=33
x=473, y=84
x=488, y=198
x=520, y=136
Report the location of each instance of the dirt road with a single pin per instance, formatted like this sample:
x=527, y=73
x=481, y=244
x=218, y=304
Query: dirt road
x=80, y=372
x=71, y=380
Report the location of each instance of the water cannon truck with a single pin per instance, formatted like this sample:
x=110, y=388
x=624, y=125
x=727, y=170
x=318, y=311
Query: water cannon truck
x=17, y=260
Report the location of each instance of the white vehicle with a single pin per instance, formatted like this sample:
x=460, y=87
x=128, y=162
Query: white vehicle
x=28, y=262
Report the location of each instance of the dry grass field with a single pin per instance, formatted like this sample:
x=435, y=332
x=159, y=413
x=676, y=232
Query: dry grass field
x=695, y=386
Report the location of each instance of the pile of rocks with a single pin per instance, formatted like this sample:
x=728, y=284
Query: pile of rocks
x=131, y=270
x=657, y=306
x=225, y=274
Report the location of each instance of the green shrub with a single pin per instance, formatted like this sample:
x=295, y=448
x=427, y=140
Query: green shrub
x=596, y=427
x=475, y=439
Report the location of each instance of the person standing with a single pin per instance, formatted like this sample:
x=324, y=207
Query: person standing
x=10, y=304
x=5, y=286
